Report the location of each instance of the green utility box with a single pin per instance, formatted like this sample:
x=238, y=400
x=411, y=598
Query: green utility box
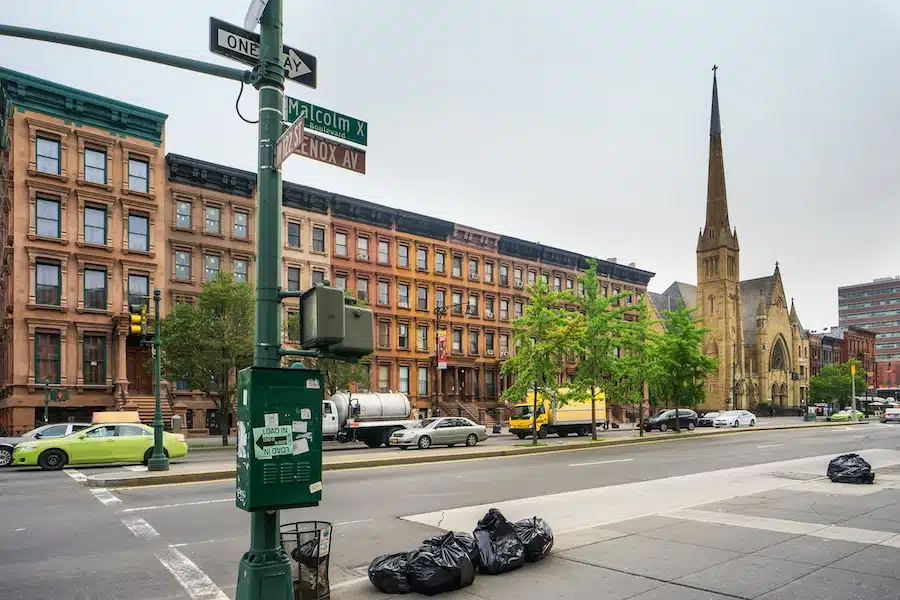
x=279, y=445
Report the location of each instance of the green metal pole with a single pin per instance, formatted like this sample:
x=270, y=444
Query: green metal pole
x=46, y=401
x=159, y=461
x=264, y=572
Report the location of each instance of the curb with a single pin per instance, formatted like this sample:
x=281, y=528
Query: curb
x=219, y=474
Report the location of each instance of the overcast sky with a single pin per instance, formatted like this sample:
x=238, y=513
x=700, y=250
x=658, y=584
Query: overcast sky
x=579, y=124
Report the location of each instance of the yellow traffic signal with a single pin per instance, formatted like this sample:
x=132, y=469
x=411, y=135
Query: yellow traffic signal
x=138, y=319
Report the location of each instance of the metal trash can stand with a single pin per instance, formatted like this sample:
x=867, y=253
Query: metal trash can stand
x=308, y=543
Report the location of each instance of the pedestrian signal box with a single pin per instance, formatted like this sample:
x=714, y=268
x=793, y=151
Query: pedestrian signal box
x=279, y=438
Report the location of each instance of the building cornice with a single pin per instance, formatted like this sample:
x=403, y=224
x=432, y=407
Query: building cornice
x=209, y=176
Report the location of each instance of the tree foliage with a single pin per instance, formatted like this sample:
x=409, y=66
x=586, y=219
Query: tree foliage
x=636, y=343
x=833, y=384
x=206, y=343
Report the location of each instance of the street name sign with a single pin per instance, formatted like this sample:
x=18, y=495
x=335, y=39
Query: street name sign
x=241, y=45
x=333, y=153
x=289, y=141
x=326, y=121
x=272, y=441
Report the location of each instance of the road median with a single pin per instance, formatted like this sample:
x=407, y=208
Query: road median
x=219, y=470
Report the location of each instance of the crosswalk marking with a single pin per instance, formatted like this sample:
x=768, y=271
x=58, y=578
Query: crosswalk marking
x=105, y=496
x=140, y=528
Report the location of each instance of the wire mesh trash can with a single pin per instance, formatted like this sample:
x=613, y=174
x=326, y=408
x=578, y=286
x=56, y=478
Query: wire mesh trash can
x=308, y=543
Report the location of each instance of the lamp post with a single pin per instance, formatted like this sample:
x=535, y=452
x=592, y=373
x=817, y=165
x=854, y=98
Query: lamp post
x=439, y=311
x=159, y=461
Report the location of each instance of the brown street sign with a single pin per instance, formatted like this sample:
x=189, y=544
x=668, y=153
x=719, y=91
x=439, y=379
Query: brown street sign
x=289, y=141
x=332, y=153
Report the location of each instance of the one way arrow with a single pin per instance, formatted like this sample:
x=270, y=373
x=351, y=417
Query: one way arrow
x=294, y=66
x=272, y=441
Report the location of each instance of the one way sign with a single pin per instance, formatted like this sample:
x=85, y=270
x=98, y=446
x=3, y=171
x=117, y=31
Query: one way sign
x=241, y=45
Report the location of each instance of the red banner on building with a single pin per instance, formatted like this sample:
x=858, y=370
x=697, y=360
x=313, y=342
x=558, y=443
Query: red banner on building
x=442, y=349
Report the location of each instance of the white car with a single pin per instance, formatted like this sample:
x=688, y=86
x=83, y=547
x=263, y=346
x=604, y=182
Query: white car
x=735, y=418
x=891, y=415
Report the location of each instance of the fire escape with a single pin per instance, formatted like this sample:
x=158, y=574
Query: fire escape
x=6, y=250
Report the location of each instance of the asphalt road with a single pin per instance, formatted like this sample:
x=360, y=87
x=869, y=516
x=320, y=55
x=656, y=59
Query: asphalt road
x=59, y=539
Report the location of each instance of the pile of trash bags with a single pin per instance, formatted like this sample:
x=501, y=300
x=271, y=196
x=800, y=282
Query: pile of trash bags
x=449, y=562
x=850, y=468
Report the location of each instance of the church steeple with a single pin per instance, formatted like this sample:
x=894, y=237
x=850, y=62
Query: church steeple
x=717, y=231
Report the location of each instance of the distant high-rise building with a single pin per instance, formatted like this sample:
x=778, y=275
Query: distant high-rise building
x=875, y=306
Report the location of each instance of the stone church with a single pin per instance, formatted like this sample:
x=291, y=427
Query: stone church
x=762, y=348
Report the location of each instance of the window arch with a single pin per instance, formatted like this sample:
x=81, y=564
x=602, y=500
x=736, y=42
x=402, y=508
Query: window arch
x=779, y=357
x=712, y=304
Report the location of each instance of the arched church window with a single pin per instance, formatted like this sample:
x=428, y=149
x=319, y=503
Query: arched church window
x=779, y=360
x=706, y=267
x=712, y=303
x=716, y=265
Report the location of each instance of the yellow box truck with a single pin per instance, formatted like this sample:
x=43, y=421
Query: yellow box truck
x=573, y=417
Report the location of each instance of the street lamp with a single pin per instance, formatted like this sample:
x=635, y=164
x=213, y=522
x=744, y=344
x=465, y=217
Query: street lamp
x=159, y=461
x=439, y=311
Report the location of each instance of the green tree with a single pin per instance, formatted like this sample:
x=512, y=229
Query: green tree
x=682, y=365
x=833, y=384
x=206, y=343
x=635, y=342
x=542, y=336
x=597, y=345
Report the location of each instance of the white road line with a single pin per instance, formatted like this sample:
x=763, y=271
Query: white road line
x=76, y=475
x=161, y=506
x=770, y=445
x=194, y=581
x=354, y=522
x=601, y=462
x=140, y=528
x=105, y=496
x=135, y=468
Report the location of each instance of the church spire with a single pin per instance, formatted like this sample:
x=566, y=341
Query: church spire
x=717, y=230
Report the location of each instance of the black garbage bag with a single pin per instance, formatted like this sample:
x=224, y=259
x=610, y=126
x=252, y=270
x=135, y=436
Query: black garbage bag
x=439, y=567
x=466, y=541
x=850, y=468
x=499, y=548
x=536, y=536
x=307, y=554
x=389, y=573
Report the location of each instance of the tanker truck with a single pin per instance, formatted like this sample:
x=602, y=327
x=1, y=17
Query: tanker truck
x=370, y=418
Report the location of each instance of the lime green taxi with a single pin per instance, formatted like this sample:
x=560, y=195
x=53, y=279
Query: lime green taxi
x=104, y=443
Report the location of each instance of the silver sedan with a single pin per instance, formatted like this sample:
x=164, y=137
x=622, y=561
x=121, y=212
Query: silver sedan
x=439, y=431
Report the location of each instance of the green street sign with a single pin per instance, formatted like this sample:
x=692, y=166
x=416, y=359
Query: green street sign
x=272, y=441
x=326, y=121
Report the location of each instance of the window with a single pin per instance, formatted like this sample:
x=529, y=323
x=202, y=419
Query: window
x=532, y=277
x=293, y=279
x=489, y=343
x=402, y=255
x=239, y=268
x=241, y=225
x=183, y=264
x=422, y=298
x=183, y=214
x=94, y=366
x=457, y=266
x=212, y=264
x=384, y=252
x=47, y=218
x=340, y=282
x=48, y=285
x=383, y=293
x=95, y=289
x=138, y=233
x=504, y=275
x=519, y=310
x=95, y=166
x=47, y=358
x=545, y=278
x=423, y=381
x=138, y=290
x=293, y=235
x=384, y=378
x=138, y=175
x=402, y=335
x=362, y=289
x=473, y=341
x=404, y=379
x=440, y=298
x=340, y=243
x=581, y=288
x=489, y=307
x=518, y=276
x=490, y=383
x=213, y=219
x=504, y=344
x=457, y=340
x=422, y=338
x=403, y=295
x=557, y=284
x=384, y=334
x=489, y=272
x=317, y=276
x=362, y=248
x=318, y=239
x=439, y=265
x=472, y=310
x=457, y=303
x=569, y=284
x=48, y=156
x=422, y=259
x=473, y=268
x=504, y=309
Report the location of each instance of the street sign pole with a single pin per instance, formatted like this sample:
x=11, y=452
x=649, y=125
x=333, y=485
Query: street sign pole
x=264, y=572
x=159, y=461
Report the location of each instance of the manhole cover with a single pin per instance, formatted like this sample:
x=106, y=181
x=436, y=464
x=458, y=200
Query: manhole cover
x=797, y=476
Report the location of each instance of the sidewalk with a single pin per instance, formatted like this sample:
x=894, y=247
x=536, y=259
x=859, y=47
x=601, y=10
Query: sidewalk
x=225, y=468
x=808, y=540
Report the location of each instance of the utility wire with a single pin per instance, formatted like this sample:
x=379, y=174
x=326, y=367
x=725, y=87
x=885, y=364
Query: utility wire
x=237, y=107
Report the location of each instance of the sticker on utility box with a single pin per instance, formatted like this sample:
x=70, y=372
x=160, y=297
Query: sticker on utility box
x=272, y=441
x=312, y=384
x=315, y=487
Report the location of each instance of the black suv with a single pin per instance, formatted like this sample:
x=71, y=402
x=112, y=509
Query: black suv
x=665, y=420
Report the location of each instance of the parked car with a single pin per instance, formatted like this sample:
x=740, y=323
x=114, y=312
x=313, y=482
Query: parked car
x=445, y=431
x=735, y=418
x=707, y=419
x=54, y=430
x=665, y=420
x=847, y=415
x=105, y=443
x=891, y=415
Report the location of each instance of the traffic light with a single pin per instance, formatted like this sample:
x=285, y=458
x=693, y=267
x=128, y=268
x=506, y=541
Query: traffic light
x=335, y=325
x=138, y=318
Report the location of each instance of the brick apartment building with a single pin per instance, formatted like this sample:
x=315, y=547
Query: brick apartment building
x=94, y=215
x=823, y=350
x=875, y=306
